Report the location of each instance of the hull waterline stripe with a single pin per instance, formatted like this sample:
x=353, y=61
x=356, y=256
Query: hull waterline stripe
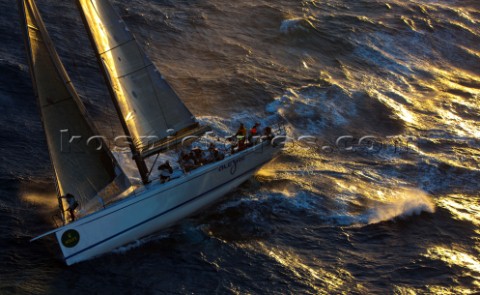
x=165, y=212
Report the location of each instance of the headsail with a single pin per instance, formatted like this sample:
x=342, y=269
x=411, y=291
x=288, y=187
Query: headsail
x=148, y=105
x=84, y=169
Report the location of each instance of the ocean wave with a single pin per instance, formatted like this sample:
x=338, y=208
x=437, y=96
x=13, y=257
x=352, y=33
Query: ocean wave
x=311, y=221
x=333, y=109
x=402, y=203
x=296, y=25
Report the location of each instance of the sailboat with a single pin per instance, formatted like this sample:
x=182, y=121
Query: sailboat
x=154, y=119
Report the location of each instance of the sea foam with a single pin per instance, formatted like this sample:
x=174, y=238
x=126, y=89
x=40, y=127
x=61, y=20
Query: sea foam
x=404, y=204
x=401, y=203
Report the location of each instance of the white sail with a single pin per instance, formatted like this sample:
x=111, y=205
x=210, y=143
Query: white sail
x=146, y=102
x=87, y=171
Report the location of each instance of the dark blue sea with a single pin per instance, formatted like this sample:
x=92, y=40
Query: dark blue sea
x=376, y=192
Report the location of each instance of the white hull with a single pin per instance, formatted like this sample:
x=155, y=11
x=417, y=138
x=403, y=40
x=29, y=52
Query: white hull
x=158, y=206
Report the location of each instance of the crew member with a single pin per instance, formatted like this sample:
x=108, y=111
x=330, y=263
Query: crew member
x=241, y=131
x=241, y=136
x=253, y=132
x=198, y=156
x=267, y=133
x=72, y=205
x=218, y=156
x=165, y=172
x=188, y=162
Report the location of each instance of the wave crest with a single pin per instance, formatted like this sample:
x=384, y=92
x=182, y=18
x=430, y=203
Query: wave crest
x=408, y=203
x=296, y=25
x=401, y=203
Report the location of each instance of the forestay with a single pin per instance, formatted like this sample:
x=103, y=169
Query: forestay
x=81, y=169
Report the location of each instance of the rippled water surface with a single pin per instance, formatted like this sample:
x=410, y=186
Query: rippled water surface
x=376, y=192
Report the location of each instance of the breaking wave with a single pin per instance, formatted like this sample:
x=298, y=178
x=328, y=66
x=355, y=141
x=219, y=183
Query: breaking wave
x=403, y=203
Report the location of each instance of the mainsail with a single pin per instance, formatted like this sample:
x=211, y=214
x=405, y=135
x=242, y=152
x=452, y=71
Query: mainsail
x=85, y=169
x=153, y=115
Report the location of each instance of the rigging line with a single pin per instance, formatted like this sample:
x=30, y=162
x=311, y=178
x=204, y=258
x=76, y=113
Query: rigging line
x=153, y=165
x=110, y=121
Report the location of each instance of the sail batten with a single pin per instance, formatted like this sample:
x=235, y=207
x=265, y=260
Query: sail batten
x=146, y=103
x=116, y=46
x=81, y=169
x=135, y=71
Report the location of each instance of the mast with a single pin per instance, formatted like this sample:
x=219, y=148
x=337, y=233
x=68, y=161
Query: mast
x=136, y=156
x=152, y=114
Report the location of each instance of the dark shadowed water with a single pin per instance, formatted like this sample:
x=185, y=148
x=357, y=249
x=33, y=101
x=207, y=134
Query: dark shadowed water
x=377, y=192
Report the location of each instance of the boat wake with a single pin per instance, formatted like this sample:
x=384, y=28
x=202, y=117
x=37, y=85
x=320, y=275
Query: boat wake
x=140, y=242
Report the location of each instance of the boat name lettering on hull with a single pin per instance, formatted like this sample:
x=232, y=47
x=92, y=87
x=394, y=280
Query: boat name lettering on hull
x=232, y=165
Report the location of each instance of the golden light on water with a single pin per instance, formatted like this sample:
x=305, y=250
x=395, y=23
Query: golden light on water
x=464, y=27
x=465, y=208
x=401, y=111
x=43, y=203
x=402, y=290
x=456, y=257
x=409, y=22
x=315, y=277
x=267, y=172
x=404, y=114
x=455, y=80
x=471, y=51
x=448, y=290
x=437, y=101
x=46, y=200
